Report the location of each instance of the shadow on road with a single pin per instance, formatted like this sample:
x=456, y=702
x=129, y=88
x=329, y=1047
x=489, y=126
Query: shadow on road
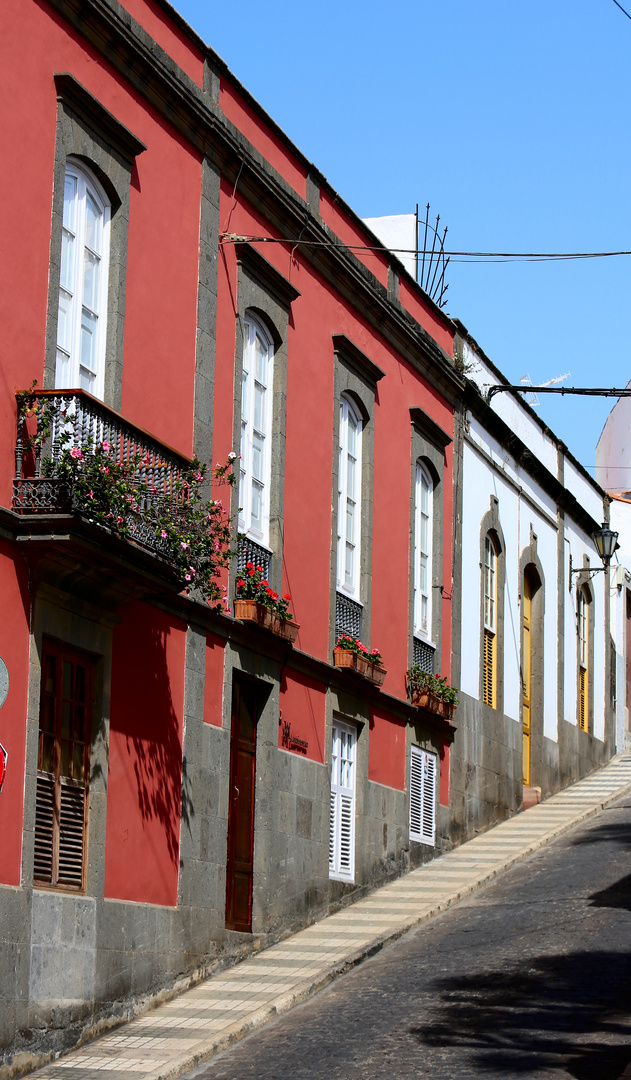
x=613, y=832
x=570, y=1012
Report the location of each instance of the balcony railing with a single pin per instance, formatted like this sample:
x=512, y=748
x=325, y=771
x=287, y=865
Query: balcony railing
x=83, y=422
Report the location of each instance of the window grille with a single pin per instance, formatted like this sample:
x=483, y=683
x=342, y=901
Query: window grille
x=348, y=616
x=249, y=551
x=423, y=654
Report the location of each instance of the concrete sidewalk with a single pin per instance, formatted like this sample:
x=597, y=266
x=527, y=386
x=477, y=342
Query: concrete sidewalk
x=187, y=1030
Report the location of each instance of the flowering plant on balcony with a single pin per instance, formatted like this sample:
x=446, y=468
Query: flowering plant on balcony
x=251, y=585
x=191, y=531
x=425, y=682
x=353, y=644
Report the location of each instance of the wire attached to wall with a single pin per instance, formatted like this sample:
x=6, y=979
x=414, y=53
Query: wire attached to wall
x=458, y=256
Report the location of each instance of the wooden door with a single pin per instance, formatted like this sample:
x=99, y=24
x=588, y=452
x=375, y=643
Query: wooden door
x=241, y=808
x=526, y=670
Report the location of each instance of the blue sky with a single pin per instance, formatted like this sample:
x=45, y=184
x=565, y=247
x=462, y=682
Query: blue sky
x=510, y=119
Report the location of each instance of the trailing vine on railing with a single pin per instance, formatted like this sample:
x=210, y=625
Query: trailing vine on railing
x=129, y=494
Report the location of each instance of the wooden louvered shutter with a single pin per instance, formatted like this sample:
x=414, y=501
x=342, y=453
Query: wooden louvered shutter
x=342, y=820
x=44, y=817
x=63, y=768
x=422, y=796
x=71, y=834
x=488, y=672
x=582, y=700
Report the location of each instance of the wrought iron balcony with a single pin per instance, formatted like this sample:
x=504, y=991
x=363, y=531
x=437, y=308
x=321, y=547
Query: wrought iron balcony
x=59, y=420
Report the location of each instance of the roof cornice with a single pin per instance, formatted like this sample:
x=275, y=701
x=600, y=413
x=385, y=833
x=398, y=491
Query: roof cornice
x=153, y=75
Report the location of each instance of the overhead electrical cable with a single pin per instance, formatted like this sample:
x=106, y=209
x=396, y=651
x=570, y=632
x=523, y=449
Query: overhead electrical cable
x=622, y=9
x=457, y=256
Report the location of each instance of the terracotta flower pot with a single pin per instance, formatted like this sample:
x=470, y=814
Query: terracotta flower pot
x=346, y=658
x=432, y=703
x=376, y=673
x=252, y=611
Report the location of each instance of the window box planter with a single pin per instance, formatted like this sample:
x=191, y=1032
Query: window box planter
x=352, y=661
x=433, y=703
x=252, y=611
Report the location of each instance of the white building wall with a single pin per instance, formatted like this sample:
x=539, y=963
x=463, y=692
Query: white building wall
x=620, y=584
x=517, y=418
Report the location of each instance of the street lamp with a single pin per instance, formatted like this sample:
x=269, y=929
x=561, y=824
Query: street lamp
x=606, y=541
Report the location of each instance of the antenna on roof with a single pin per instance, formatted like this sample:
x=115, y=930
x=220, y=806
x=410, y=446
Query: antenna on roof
x=532, y=399
x=431, y=273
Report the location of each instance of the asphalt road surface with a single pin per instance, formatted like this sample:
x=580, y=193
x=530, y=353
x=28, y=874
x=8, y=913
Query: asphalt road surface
x=529, y=979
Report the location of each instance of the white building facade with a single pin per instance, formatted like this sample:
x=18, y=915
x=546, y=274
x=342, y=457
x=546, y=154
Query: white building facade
x=531, y=618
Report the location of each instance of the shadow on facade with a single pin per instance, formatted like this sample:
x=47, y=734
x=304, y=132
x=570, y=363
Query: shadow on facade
x=153, y=741
x=566, y=1013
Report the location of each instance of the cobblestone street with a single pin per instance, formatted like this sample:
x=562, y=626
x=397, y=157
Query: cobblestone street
x=530, y=978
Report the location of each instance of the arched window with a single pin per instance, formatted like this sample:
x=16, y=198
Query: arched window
x=349, y=482
x=82, y=308
x=489, y=657
x=583, y=657
x=256, y=430
x=423, y=511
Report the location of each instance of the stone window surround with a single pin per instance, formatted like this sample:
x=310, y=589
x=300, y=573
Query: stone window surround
x=530, y=561
x=266, y=295
x=89, y=133
x=355, y=377
x=490, y=524
x=77, y=625
x=583, y=583
x=428, y=444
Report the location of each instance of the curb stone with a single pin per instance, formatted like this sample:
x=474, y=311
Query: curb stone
x=403, y=904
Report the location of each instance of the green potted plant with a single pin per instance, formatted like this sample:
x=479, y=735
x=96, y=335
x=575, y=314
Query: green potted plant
x=431, y=692
x=256, y=601
x=349, y=652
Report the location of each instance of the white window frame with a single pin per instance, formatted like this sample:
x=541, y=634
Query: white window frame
x=255, y=428
x=70, y=371
x=349, y=500
x=342, y=813
x=423, y=776
x=423, y=595
x=490, y=583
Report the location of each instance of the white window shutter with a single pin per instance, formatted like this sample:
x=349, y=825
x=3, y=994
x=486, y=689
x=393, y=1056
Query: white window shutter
x=342, y=820
x=422, y=796
x=332, y=833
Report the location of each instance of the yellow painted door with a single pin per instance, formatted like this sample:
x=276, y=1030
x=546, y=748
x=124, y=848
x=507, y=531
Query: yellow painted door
x=526, y=668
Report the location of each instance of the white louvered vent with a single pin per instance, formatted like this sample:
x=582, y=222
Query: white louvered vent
x=342, y=822
x=422, y=796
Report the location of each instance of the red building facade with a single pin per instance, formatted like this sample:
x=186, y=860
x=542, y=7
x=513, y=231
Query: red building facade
x=182, y=783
